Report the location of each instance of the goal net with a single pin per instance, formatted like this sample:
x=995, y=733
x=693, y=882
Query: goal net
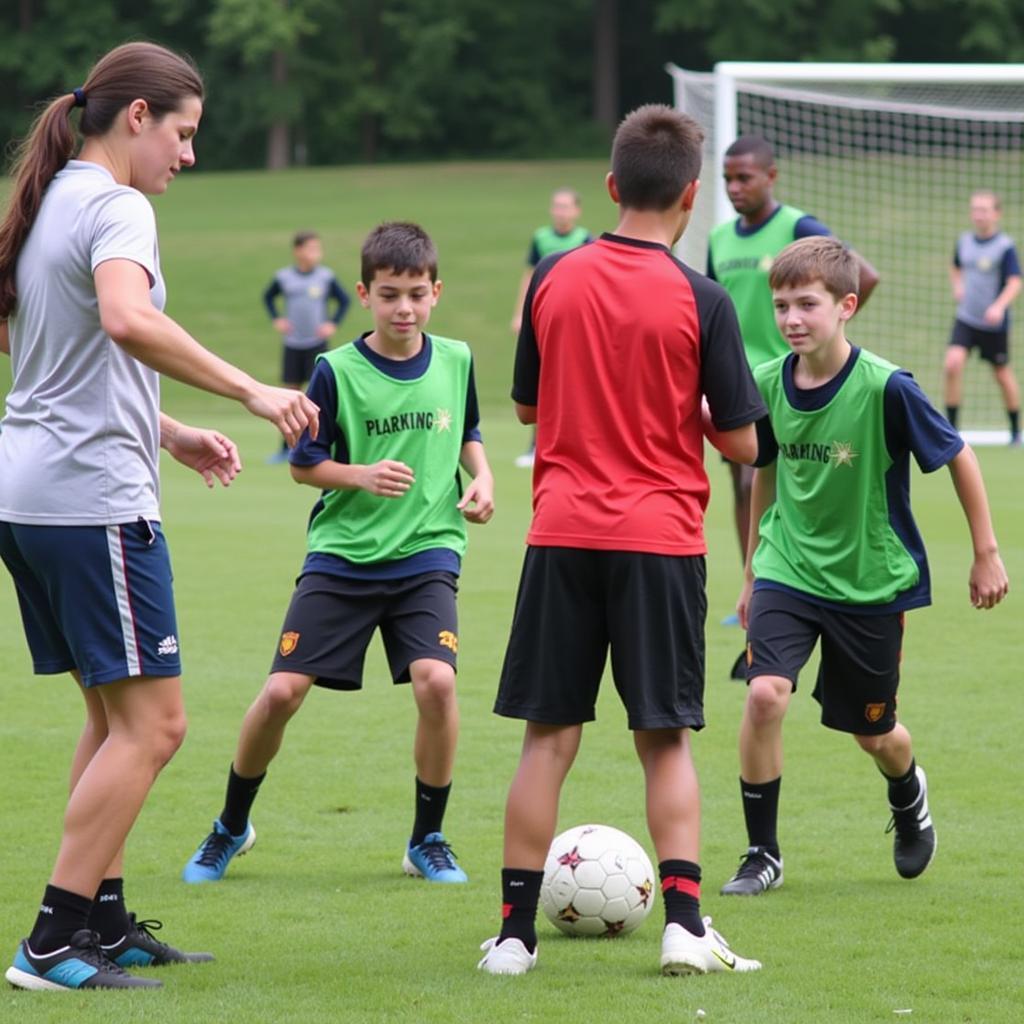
x=887, y=156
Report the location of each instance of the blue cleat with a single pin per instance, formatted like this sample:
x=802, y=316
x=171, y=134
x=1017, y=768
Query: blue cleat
x=211, y=860
x=80, y=964
x=434, y=860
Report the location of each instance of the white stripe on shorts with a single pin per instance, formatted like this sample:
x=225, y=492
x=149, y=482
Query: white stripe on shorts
x=124, y=605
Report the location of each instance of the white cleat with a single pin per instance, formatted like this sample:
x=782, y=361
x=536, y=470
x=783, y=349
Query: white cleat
x=682, y=952
x=508, y=957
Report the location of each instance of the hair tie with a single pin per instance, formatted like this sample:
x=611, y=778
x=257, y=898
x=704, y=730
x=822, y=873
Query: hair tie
x=79, y=95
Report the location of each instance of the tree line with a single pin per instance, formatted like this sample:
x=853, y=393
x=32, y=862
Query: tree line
x=344, y=81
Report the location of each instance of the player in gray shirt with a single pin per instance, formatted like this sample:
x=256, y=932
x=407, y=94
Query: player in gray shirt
x=986, y=278
x=81, y=300
x=308, y=289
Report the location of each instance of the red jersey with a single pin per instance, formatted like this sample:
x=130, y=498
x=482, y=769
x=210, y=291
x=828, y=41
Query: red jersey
x=619, y=342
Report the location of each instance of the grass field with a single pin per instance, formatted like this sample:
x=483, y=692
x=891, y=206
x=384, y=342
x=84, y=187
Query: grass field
x=318, y=923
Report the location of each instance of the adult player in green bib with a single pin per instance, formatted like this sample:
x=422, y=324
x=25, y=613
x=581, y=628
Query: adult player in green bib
x=398, y=415
x=834, y=553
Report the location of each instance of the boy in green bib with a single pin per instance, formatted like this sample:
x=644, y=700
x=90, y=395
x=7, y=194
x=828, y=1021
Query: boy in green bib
x=399, y=416
x=834, y=553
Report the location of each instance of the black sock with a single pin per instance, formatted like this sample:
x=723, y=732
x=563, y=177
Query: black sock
x=109, y=916
x=1014, y=417
x=680, y=889
x=238, y=801
x=761, y=812
x=61, y=915
x=904, y=790
x=952, y=412
x=520, y=892
x=431, y=802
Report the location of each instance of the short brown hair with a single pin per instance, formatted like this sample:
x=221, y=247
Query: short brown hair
x=400, y=246
x=657, y=152
x=818, y=258
x=302, y=237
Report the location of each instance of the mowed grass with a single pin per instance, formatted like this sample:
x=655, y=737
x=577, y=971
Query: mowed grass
x=318, y=923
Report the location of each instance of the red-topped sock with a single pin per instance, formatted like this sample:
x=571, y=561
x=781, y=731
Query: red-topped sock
x=680, y=889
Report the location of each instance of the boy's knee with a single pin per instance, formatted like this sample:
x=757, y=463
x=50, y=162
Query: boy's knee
x=873, y=744
x=282, y=695
x=767, y=697
x=434, y=682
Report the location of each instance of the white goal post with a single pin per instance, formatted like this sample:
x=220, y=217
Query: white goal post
x=887, y=155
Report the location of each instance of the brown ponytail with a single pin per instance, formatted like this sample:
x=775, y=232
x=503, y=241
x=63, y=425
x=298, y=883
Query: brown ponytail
x=132, y=71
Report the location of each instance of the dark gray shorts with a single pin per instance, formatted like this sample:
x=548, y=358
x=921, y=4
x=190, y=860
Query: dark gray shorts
x=574, y=605
x=331, y=620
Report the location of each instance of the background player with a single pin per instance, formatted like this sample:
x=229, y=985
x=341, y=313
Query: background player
x=986, y=278
x=740, y=252
x=305, y=324
x=615, y=555
x=385, y=543
x=562, y=234
x=81, y=300
x=835, y=553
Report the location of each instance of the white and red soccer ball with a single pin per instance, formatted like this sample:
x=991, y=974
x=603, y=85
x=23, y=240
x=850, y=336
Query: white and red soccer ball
x=597, y=881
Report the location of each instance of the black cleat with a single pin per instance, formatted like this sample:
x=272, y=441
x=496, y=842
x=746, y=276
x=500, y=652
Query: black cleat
x=914, y=842
x=758, y=872
x=138, y=947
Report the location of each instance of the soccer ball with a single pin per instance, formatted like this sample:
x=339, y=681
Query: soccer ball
x=597, y=881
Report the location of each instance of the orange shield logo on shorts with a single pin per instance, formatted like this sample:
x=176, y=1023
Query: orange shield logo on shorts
x=289, y=641
x=873, y=712
x=750, y=655
x=446, y=638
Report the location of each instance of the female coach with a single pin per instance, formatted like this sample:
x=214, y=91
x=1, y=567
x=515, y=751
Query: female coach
x=81, y=299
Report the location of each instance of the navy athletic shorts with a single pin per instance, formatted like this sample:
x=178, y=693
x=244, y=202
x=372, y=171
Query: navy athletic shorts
x=575, y=604
x=331, y=619
x=95, y=598
x=859, y=672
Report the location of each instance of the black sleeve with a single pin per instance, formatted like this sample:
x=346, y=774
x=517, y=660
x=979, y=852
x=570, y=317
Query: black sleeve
x=270, y=298
x=526, y=373
x=725, y=377
x=471, y=430
x=767, y=445
x=533, y=256
x=330, y=441
x=710, y=272
x=913, y=424
x=340, y=296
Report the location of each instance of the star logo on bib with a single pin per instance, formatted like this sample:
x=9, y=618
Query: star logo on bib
x=842, y=453
x=443, y=420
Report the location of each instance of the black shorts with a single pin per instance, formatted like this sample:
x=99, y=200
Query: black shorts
x=992, y=346
x=297, y=364
x=331, y=619
x=573, y=604
x=860, y=657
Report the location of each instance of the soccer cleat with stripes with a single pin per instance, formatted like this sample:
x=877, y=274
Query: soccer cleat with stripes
x=914, y=842
x=507, y=957
x=684, y=953
x=139, y=947
x=434, y=860
x=758, y=872
x=80, y=964
x=211, y=860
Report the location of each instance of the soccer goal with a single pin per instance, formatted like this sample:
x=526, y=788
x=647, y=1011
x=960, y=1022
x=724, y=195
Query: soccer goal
x=887, y=156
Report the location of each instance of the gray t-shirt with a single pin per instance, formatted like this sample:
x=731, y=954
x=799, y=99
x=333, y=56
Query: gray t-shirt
x=80, y=438
x=305, y=303
x=985, y=264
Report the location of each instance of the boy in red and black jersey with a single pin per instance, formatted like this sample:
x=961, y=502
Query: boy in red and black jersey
x=620, y=345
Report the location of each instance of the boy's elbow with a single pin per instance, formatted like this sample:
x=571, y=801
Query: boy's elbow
x=526, y=414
